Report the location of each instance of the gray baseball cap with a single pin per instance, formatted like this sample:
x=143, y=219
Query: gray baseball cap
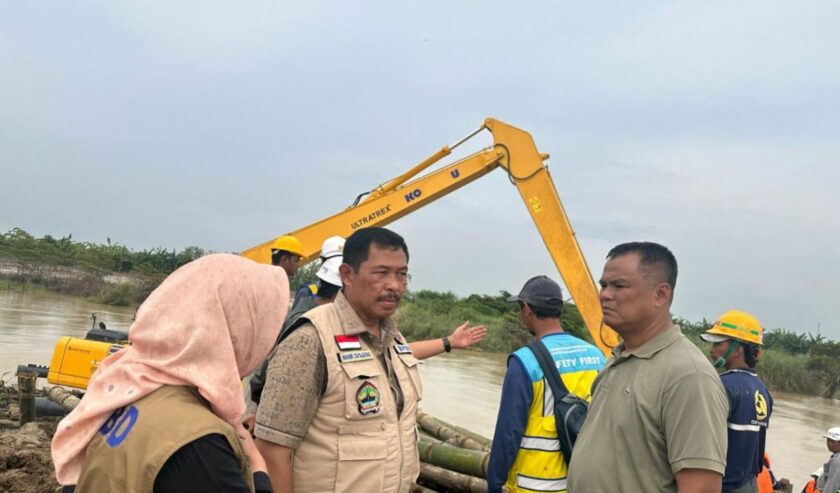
x=541, y=292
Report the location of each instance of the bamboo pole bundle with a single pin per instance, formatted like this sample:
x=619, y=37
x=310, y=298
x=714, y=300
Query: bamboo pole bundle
x=416, y=488
x=451, y=479
x=452, y=434
x=64, y=398
x=472, y=462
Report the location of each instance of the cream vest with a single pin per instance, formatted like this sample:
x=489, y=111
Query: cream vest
x=356, y=442
x=133, y=445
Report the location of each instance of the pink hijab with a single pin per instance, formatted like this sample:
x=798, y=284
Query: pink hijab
x=210, y=323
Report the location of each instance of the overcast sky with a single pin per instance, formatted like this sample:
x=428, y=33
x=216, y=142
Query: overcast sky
x=711, y=127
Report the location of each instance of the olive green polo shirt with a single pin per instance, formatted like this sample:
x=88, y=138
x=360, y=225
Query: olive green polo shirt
x=655, y=411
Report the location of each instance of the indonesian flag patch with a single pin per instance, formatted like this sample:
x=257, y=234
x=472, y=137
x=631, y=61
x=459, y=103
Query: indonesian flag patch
x=347, y=343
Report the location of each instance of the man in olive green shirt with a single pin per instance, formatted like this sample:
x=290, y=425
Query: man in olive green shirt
x=657, y=421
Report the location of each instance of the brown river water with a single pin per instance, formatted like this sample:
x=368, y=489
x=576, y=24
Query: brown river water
x=462, y=388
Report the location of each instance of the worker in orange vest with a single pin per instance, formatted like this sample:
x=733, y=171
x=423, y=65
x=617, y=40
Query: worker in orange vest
x=767, y=482
x=811, y=486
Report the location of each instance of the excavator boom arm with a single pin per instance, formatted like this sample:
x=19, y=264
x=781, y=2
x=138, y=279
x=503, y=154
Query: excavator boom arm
x=515, y=151
x=533, y=180
x=383, y=208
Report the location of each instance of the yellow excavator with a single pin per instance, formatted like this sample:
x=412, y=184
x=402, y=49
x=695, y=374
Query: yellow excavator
x=513, y=150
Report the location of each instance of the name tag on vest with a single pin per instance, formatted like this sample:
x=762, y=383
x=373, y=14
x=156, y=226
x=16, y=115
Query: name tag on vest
x=402, y=348
x=348, y=343
x=350, y=356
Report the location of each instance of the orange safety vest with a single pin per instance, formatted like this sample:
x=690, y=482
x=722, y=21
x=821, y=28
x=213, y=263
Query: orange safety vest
x=811, y=486
x=765, y=481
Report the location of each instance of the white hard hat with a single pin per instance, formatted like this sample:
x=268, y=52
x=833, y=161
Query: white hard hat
x=833, y=434
x=332, y=247
x=818, y=472
x=328, y=272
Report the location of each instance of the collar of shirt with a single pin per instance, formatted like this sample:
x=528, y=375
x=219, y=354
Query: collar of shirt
x=651, y=347
x=353, y=325
x=741, y=370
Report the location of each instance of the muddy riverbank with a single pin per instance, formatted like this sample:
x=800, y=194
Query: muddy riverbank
x=25, y=462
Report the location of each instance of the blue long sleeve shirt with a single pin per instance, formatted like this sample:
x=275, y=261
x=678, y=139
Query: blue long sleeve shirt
x=517, y=394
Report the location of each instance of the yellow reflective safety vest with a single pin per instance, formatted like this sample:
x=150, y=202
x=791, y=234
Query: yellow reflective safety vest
x=539, y=464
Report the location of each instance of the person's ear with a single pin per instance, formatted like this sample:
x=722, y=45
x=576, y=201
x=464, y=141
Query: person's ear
x=345, y=271
x=662, y=294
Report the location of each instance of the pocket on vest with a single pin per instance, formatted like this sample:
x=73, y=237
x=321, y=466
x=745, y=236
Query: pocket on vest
x=363, y=390
x=362, y=451
x=412, y=366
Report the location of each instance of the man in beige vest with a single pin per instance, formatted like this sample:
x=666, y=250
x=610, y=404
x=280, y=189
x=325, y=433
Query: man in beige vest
x=344, y=418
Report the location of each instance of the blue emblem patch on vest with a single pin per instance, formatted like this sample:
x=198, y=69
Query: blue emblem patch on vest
x=402, y=348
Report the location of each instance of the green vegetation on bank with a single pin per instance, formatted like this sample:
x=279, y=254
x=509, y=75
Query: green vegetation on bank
x=791, y=362
x=114, y=274
x=429, y=314
x=108, y=273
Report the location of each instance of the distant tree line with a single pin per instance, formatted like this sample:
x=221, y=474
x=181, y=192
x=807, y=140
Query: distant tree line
x=81, y=268
x=791, y=361
x=19, y=245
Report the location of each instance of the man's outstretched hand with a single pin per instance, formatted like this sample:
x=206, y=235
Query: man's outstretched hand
x=465, y=335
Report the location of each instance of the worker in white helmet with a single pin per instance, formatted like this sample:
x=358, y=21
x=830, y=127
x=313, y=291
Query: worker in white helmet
x=331, y=255
x=829, y=480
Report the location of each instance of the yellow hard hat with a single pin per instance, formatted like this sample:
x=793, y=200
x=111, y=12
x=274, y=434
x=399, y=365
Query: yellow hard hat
x=288, y=243
x=735, y=324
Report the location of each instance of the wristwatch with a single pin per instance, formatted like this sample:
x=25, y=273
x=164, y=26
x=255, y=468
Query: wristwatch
x=446, y=346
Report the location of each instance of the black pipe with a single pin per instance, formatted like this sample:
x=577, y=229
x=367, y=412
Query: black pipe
x=41, y=371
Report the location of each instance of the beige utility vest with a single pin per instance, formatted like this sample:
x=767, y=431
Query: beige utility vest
x=133, y=445
x=356, y=441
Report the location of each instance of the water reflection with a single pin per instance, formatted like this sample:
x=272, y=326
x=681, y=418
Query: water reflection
x=31, y=323
x=462, y=388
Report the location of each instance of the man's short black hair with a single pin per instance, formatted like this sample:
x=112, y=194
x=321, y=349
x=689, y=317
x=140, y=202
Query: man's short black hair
x=357, y=247
x=277, y=256
x=651, y=255
x=543, y=312
x=750, y=353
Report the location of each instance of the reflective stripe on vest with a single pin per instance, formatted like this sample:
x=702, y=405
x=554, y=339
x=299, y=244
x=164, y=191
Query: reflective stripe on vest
x=538, y=443
x=737, y=427
x=539, y=464
x=538, y=484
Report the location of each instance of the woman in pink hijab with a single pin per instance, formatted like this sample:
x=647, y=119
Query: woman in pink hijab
x=164, y=413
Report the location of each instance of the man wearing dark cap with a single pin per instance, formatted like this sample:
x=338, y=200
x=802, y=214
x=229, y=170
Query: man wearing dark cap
x=526, y=452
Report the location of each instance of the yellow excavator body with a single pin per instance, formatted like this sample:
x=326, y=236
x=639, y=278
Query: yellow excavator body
x=74, y=360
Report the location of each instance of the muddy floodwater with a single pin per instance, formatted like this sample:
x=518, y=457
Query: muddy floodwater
x=462, y=388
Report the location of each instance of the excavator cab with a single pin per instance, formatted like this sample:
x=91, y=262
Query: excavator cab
x=75, y=359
